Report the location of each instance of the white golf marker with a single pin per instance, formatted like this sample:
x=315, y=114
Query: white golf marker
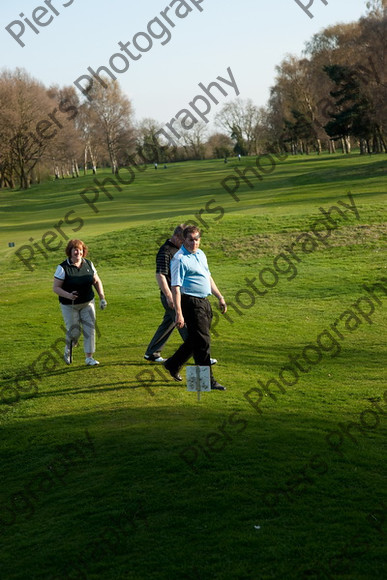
x=198, y=379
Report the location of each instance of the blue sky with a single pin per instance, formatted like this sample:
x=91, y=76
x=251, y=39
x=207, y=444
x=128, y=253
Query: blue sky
x=249, y=36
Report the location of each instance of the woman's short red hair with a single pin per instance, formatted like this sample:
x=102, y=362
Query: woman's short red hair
x=76, y=244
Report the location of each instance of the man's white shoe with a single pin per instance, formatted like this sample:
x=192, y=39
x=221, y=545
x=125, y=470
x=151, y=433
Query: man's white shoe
x=156, y=358
x=66, y=355
x=91, y=362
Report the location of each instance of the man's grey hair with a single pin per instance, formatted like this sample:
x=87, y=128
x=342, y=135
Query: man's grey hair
x=178, y=231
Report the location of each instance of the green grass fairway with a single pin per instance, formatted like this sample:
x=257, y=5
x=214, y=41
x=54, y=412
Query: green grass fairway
x=117, y=472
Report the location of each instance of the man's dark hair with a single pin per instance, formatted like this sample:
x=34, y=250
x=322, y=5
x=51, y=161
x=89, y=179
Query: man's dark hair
x=191, y=230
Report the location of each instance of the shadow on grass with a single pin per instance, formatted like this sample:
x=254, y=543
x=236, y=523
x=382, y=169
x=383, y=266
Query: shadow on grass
x=106, y=387
x=137, y=461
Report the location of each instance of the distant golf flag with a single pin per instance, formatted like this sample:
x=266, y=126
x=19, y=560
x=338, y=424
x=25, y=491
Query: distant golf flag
x=198, y=379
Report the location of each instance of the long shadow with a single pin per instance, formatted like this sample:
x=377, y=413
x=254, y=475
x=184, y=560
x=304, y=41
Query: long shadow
x=66, y=370
x=144, y=454
x=105, y=387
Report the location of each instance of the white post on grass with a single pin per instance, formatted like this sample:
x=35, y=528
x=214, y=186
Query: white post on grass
x=198, y=379
x=198, y=382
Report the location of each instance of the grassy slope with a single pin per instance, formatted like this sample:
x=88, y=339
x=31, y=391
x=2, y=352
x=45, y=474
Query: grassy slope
x=158, y=518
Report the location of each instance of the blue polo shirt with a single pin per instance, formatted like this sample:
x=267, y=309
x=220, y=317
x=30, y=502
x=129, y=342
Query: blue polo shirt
x=191, y=273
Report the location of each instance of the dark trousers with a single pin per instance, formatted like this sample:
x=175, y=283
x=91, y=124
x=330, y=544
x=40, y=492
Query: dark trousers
x=165, y=330
x=197, y=314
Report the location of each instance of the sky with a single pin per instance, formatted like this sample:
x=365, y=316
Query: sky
x=250, y=37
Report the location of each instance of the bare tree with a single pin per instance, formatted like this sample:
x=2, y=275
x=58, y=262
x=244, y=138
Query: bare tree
x=360, y=48
x=91, y=136
x=65, y=149
x=148, y=144
x=220, y=145
x=110, y=112
x=240, y=118
x=194, y=140
x=25, y=125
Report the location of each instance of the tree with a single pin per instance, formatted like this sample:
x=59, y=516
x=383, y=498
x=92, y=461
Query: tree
x=306, y=103
x=240, y=119
x=220, y=145
x=25, y=126
x=65, y=150
x=194, y=140
x=296, y=98
x=148, y=144
x=354, y=113
x=372, y=58
x=377, y=8
x=110, y=112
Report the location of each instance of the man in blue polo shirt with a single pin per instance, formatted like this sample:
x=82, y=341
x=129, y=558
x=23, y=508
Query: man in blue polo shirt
x=191, y=283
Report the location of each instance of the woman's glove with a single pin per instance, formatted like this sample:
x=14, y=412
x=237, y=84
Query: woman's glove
x=102, y=304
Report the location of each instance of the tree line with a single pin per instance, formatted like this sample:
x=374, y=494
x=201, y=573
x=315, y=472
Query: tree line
x=335, y=95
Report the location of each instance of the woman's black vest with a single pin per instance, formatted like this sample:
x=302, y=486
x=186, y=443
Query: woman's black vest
x=80, y=280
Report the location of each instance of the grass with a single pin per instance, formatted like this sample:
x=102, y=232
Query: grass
x=284, y=490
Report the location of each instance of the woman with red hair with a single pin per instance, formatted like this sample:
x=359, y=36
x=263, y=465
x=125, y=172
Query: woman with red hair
x=73, y=283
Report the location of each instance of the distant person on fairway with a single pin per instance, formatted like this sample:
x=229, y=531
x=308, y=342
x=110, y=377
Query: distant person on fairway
x=73, y=283
x=191, y=283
